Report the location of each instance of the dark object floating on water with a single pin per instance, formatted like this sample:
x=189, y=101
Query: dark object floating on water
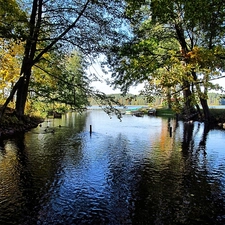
x=152, y=111
x=138, y=114
x=57, y=115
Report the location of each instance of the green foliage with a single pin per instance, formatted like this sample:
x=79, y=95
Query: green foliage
x=13, y=20
x=9, y=120
x=144, y=57
x=214, y=99
x=165, y=112
x=62, y=86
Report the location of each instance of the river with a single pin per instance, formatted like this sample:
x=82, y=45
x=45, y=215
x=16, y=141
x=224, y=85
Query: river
x=133, y=171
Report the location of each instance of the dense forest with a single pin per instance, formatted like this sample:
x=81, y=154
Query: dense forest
x=176, y=48
x=214, y=99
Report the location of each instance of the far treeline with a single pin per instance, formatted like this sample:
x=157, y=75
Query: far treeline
x=49, y=50
x=214, y=99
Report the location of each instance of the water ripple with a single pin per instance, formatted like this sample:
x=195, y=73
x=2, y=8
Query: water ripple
x=132, y=172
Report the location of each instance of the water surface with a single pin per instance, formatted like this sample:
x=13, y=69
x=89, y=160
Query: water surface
x=129, y=172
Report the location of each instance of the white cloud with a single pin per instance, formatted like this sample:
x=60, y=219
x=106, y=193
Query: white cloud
x=102, y=85
x=220, y=81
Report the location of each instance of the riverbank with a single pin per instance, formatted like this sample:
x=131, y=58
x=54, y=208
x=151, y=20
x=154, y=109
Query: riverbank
x=10, y=125
x=217, y=114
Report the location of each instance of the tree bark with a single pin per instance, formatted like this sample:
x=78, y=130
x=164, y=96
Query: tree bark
x=22, y=93
x=188, y=108
x=168, y=95
x=203, y=100
x=206, y=112
x=10, y=98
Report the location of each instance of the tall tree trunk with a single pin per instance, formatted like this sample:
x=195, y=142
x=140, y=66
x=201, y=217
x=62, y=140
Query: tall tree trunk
x=28, y=60
x=168, y=95
x=188, y=106
x=203, y=100
x=12, y=93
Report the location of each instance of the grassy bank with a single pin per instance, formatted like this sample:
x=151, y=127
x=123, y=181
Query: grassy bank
x=165, y=112
x=159, y=111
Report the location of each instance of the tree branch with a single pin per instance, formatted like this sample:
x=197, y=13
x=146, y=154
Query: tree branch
x=61, y=35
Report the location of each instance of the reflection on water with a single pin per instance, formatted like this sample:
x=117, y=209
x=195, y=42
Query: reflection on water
x=129, y=172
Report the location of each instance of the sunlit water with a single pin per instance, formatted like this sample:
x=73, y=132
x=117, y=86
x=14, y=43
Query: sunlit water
x=129, y=172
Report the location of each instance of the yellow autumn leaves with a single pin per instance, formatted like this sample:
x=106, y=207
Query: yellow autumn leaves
x=10, y=63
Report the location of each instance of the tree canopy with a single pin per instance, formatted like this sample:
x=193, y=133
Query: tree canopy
x=176, y=45
x=58, y=28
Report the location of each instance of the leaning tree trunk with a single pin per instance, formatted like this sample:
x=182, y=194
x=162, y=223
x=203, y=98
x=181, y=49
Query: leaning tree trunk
x=188, y=108
x=28, y=60
x=22, y=92
x=10, y=98
x=206, y=112
x=168, y=95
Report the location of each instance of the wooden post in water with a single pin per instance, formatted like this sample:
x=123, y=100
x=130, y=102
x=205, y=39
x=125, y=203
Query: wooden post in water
x=171, y=131
x=90, y=129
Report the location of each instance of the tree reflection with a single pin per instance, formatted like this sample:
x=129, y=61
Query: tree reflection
x=17, y=180
x=180, y=190
x=71, y=178
x=33, y=167
x=202, y=204
x=202, y=143
x=25, y=177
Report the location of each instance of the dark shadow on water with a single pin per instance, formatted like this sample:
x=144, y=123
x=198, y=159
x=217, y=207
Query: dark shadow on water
x=71, y=178
x=180, y=191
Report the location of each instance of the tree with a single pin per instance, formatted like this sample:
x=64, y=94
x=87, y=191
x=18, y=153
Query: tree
x=175, y=44
x=64, y=82
x=75, y=75
x=86, y=25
